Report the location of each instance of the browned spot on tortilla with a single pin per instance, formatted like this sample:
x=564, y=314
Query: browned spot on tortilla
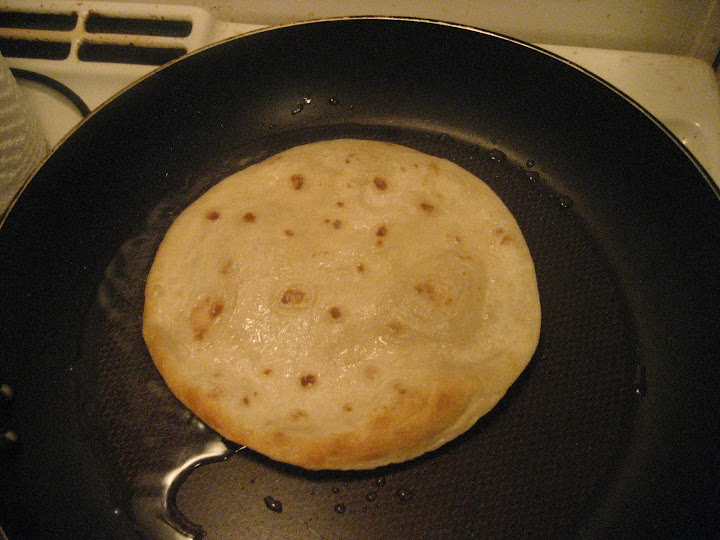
x=425, y=287
x=427, y=290
x=370, y=372
x=212, y=215
x=382, y=230
x=505, y=238
x=203, y=314
x=403, y=168
x=337, y=224
x=280, y=438
x=267, y=371
x=361, y=267
x=347, y=407
x=395, y=326
x=246, y=401
x=215, y=392
x=249, y=217
x=326, y=220
x=199, y=333
x=293, y=296
x=289, y=232
x=350, y=157
x=226, y=267
x=297, y=181
x=379, y=242
x=429, y=208
x=297, y=414
x=434, y=167
x=380, y=183
x=340, y=204
x=446, y=401
x=381, y=423
x=307, y=380
x=335, y=312
x=400, y=389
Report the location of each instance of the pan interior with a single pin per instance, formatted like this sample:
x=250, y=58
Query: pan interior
x=539, y=461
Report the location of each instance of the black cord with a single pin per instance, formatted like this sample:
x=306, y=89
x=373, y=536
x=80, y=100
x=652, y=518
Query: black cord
x=55, y=85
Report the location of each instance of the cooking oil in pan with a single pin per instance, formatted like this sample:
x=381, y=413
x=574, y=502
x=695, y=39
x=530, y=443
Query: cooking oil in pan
x=273, y=504
x=145, y=441
x=153, y=498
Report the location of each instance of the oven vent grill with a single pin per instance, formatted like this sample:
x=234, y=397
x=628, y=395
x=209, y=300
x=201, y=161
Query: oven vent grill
x=102, y=32
x=87, y=51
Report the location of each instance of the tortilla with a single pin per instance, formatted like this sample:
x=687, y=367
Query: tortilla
x=344, y=304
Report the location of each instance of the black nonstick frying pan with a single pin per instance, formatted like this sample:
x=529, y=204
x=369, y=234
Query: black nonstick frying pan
x=611, y=431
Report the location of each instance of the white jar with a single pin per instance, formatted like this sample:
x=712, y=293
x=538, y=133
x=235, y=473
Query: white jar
x=22, y=145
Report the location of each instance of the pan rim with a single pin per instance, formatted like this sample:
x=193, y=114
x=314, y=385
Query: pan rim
x=436, y=22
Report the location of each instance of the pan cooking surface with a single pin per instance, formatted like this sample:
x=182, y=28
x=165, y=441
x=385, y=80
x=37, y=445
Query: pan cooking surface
x=612, y=429
x=538, y=462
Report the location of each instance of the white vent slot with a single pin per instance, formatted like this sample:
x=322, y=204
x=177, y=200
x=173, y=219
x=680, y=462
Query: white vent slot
x=98, y=32
x=107, y=32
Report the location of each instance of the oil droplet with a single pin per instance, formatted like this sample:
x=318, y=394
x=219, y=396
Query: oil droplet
x=273, y=504
x=530, y=163
x=9, y=442
x=370, y=497
x=565, y=201
x=333, y=101
x=339, y=508
x=336, y=490
x=533, y=176
x=307, y=100
x=379, y=482
x=6, y=394
x=496, y=155
x=298, y=108
x=405, y=494
x=640, y=380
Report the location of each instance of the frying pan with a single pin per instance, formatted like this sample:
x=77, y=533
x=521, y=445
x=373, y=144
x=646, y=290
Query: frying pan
x=612, y=429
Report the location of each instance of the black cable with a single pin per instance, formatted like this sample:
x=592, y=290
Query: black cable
x=55, y=85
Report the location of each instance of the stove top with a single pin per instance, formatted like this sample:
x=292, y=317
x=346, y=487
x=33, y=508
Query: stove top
x=69, y=55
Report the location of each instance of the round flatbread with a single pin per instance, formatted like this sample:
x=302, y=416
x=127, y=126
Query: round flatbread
x=343, y=304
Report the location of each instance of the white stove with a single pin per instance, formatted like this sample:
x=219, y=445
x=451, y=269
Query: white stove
x=92, y=50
